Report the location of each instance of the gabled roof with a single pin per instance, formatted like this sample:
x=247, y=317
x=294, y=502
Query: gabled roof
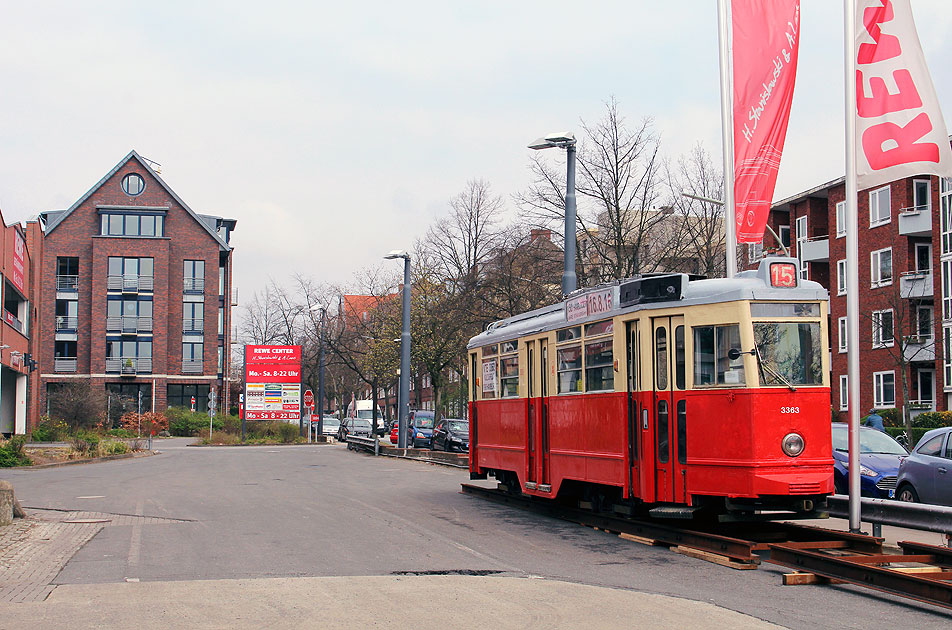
x=54, y=218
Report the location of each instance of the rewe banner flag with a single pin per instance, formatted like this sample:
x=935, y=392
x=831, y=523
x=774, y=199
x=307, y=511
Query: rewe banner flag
x=898, y=125
x=765, y=40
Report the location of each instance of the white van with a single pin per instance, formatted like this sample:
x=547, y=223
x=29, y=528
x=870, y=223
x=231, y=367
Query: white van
x=365, y=410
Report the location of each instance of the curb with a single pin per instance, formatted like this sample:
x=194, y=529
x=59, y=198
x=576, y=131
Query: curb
x=73, y=462
x=275, y=444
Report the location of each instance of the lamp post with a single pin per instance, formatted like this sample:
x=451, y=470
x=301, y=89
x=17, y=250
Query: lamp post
x=404, y=396
x=320, y=370
x=565, y=140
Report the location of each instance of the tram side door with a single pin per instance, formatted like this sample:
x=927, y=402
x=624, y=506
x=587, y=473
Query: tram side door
x=543, y=433
x=669, y=408
x=532, y=415
x=635, y=428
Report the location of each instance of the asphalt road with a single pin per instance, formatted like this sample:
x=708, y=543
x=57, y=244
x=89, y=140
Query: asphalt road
x=314, y=511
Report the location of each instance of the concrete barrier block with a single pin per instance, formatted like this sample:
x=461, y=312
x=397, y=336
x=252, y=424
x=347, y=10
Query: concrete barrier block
x=6, y=503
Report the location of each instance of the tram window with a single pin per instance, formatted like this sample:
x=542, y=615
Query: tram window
x=599, y=366
x=568, y=334
x=711, y=364
x=508, y=346
x=490, y=351
x=781, y=309
x=682, y=431
x=472, y=377
x=569, y=369
x=679, y=357
x=662, y=424
x=599, y=328
x=792, y=350
x=661, y=359
x=509, y=377
x=489, y=379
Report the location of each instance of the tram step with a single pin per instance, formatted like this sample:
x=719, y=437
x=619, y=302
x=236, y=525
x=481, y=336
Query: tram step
x=674, y=511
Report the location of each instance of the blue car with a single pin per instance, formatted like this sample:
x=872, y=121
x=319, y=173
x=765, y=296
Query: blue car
x=879, y=458
x=421, y=429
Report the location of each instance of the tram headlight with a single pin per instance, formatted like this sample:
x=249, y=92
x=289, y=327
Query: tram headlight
x=792, y=444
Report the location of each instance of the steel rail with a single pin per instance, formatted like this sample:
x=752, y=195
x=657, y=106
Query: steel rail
x=862, y=570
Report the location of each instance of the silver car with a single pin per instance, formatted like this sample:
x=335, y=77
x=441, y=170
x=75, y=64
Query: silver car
x=926, y=475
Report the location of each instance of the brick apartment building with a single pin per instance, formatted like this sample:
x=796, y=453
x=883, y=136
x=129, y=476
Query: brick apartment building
x=133, y=293
x=905, y=235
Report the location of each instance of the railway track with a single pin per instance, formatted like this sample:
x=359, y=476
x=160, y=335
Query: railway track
x=920, y=572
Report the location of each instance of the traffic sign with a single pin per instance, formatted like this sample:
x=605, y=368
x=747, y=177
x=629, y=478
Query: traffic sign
x=309, y=398
x=193, y=403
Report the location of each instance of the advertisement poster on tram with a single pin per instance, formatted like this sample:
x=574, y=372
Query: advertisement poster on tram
x=272, y=382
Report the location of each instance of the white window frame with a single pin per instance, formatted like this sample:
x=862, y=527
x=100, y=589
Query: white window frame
x=931, y=332
x=842, y=338
x=947, y=358
x=878, y=341
x=841, y=277
x=755, y=251
x=927, y=206
x=876, y=219
x=801, y=233
x=915, y=252
x=875, y=277
x=844, y=392
x=841, y=219
x=946, y=268
x=945, y=214
x=878, y=380
x=781, y=229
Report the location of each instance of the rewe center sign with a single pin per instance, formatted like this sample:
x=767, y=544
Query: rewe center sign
x=272, y=382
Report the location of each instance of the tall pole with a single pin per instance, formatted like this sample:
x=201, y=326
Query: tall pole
x=320, y=379
x=852, y=266
x=405, y=356
x=569, y=280
x=727, y=135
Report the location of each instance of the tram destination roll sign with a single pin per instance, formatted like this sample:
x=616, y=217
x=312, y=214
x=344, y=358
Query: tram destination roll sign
x=272, y=382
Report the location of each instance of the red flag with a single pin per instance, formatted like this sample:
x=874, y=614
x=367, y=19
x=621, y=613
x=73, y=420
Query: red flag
x=897, y=121
x=766, y=39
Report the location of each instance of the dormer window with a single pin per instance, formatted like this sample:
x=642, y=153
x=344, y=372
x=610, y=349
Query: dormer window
x=133, y=184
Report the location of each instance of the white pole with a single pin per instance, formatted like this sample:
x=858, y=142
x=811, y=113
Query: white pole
x=727, y=134
x=852, y=265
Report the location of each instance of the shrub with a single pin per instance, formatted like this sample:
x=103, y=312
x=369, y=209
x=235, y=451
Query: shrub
x=11, y=452
x=121, y=433
x=933, y=419
x=49, y=430
x=231, y=424
x=288, y=432
x=150, y=423
x=85, y=443
x=184, y=423
x=113, y=447
x=77, y=404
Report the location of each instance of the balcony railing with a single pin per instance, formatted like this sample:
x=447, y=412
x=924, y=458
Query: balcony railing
x=916, y=284
x=915, y=221
x=191, y=366
x=64, y=322
x=919, y=348
x=816, y=249
x=194, y=285
x=64, y=364
x=129, y=365
x=67, y=283
x=129, y=284
x=193, y=325
x=12, y=320
x=129, y=324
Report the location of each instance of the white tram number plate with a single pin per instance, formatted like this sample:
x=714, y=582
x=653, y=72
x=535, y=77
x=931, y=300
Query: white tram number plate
x=789, y=410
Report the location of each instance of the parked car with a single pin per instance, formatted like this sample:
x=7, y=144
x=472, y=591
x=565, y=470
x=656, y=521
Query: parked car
x=420, y=434
x=364, y=409
x=451, y=434
x=926, y=475
x=353, y=426
x=394, y=430
x=330, y=425
x=879, y=458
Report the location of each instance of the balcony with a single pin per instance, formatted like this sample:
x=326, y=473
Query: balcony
x=193, y=285
x=64, y=364
x=915, y=221
x=193, y=326
x=916, y=284
x=129, y=324
x=918, y=348
x=129, y=366
x=815, y=250
x=129, y=284
x=67, y=283
x=12, y=320
x=66, y=323
x=191, y=366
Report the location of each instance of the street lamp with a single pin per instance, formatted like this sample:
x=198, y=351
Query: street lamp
x=320, y=372
x=565, y=140
x=403, y=400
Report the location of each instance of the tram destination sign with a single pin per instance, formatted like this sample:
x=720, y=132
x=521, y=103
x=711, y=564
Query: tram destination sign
x=591, y=304
x=272, y=382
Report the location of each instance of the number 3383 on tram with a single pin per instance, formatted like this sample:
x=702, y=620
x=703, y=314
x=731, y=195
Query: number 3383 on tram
x=664, y=394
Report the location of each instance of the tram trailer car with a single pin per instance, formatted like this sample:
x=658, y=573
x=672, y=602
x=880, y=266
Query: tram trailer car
x=663, y=394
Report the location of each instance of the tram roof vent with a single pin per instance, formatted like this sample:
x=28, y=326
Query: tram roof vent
x=656, y=289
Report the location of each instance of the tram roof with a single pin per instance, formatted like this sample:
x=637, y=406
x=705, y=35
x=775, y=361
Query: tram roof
x=747, y=285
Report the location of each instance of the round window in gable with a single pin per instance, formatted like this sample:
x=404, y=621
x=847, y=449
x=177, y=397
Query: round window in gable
x=133, y=184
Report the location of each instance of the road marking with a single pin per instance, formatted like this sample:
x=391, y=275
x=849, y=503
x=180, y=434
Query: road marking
x=135, y=543
x=132, y=579
x=93, y=496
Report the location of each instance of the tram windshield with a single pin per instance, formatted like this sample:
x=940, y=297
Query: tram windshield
x=792, y=350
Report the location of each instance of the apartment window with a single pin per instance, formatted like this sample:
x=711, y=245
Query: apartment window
x=842, y=335
x=923, y=257
x=67, y=273
x=194, y=274
x=844, y=393
x=883, y=329
x=132, y=224
x=924, y=319
x=880, y=267
x=135, y=274
x=221, y=320
x=125, y=396
x=133, y=184
x=945, y=204
x=755, y=252
x=947, y=357
x=221, y=359
x=879, y=208
x=16, y=308
x=841, y=219
x=221, y=281
x=67, y=315
x=783, y=231
x=181, y=396
x=840, y=277
x=884, y=389
x=192, y=352
x=193, y=317
x=921, y=195
x=801, y=227
x=946, y=289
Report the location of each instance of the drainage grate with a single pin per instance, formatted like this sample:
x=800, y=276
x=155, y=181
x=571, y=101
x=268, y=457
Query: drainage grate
x=450, y=572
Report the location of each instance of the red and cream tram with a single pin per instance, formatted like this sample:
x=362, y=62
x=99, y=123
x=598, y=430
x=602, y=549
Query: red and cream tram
x=666, y=393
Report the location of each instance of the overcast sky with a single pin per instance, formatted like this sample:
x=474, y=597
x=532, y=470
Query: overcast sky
x=335, y=131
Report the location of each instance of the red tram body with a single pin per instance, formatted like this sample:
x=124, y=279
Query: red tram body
x=680, y=396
